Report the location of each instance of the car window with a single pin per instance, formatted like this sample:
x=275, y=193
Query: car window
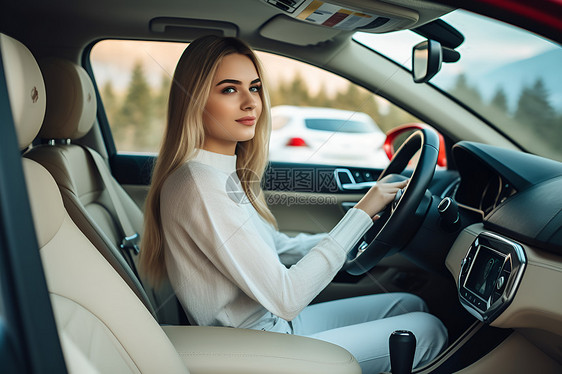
x=507, y=75
x=315, y=114
x=133, y=79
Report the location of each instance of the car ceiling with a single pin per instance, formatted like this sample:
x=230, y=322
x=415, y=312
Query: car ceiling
x=44, y=25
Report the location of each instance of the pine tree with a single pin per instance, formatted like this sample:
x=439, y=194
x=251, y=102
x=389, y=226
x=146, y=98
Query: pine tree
x=357, y=99
x=296, y=92
x=396, y=116
x=161, y=98
x=534, y=109
x=321, y=99
x=137, y=108
x=350, y=99
x=110, y=103
x=497, y=110
x=499, y=101
x=467, y=93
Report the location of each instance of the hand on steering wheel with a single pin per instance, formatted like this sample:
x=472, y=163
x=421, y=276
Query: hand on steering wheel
x=379, y=196
x=403, y=217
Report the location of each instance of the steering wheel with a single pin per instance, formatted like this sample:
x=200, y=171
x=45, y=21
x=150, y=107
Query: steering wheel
x=401, y=218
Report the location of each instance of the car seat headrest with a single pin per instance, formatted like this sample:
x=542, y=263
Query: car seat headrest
x=72, y=106
x=26, y=89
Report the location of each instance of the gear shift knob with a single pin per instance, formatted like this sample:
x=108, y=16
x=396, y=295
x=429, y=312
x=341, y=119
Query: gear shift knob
x=402, y=346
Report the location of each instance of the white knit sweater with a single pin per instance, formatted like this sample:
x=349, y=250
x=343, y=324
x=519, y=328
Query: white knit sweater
x=226, y=263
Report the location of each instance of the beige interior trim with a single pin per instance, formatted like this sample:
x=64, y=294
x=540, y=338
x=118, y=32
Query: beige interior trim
x=515, y=355
x=216, y=350
x=546, y=341
x=536, y=310
x=538, y=301
x=307, y=212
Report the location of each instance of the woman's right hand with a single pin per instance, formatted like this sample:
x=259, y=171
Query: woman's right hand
x=379, y=196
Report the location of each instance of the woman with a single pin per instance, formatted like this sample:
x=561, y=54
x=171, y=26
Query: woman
x=223, y=255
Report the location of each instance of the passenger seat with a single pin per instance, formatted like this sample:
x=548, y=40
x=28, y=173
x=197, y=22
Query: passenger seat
x=102, y=324
x=71, y=113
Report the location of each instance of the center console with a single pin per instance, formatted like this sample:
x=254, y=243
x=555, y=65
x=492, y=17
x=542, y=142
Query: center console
x=490, y=274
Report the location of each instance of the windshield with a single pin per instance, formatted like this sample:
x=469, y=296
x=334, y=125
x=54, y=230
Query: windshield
x=507, y=75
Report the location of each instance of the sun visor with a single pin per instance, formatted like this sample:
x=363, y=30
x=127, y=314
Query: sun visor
x=376, y=17
x=287, y=30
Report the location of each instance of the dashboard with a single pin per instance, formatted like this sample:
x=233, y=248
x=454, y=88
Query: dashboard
x=517, y=194
x=486, y=191
x=508, y=265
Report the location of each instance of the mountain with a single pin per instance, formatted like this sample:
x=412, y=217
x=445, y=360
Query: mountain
x=514, y=76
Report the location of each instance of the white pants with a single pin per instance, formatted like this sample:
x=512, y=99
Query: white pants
x=362, y=325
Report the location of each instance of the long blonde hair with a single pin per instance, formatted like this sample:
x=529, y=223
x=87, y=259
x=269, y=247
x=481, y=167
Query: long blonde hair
x=185, y=133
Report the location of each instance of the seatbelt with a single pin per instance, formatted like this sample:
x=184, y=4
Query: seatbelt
x=131, y=238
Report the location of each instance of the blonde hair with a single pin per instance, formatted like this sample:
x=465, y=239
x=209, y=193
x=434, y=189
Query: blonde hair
x=185, y=133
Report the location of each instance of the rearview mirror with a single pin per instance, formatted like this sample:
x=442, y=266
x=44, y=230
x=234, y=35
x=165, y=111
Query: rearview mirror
x=426, y=60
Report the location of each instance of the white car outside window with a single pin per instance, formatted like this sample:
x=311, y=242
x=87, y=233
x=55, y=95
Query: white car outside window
x=326, y=136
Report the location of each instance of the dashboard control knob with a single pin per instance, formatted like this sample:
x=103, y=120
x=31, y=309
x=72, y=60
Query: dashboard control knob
x=465, y=264
x=500, y=282
x=449, y=212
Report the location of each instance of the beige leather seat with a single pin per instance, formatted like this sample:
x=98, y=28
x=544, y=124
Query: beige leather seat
x=103, y=326
x=71, y=113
